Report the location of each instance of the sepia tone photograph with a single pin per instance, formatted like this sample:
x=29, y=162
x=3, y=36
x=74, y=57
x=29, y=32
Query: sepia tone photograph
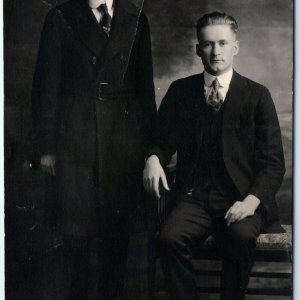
x=148, y=149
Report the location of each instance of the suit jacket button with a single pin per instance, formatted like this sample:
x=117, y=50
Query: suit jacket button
x=94, y=60
x=126, y=112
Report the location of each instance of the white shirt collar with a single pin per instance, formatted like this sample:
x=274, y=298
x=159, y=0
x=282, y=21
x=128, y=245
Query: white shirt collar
x=223, y=79
x=95, y=3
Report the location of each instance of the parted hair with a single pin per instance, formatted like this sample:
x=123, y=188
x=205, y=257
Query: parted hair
x=217, y=18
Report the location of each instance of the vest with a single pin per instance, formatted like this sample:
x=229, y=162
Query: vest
x=210, y=183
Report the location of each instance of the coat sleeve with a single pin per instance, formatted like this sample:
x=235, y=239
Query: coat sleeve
x=269, y=157
x=144, y=79
x=46, y=85
x=164, y=143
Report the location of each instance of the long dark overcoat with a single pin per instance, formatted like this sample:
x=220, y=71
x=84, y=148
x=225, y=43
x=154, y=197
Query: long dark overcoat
x=93, y=106
x=251, y=138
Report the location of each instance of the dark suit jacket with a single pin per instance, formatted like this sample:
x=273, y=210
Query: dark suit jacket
x=251, y=137
x=100, y=145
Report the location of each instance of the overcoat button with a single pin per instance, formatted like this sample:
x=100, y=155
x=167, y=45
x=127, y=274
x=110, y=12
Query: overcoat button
x=94, y=60
x=126, y=112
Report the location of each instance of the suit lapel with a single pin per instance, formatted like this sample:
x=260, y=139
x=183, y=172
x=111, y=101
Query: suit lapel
x=234, y=103
x=232, y=107
x=234, y=100
x=200, y=110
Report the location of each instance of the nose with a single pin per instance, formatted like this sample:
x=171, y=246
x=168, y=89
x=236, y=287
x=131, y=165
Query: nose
x=216, y=50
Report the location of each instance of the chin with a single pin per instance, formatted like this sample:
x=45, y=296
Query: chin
x=214, y=72
x=217, y=72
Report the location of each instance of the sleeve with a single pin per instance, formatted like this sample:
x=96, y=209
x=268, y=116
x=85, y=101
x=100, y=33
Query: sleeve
x=144, y=79
x=164, y=143
x=269, y=157
x=46, y=85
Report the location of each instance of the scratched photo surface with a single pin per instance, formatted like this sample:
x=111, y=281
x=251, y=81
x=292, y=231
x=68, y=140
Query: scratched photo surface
x=266, y=56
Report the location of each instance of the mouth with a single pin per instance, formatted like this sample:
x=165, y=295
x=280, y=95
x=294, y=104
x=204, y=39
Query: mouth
x=214, y=61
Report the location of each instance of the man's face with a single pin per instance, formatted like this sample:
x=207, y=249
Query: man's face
x=217, y=47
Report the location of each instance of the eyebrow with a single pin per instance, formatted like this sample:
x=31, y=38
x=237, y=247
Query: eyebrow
x=208, y=41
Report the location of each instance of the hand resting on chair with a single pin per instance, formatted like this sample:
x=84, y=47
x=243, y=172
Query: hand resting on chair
x=152, y=175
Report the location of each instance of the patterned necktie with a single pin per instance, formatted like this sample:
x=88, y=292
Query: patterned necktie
x=105, y=20
x=215, y=98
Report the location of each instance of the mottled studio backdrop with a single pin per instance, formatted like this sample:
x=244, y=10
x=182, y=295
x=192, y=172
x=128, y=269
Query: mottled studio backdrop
x=266, y=55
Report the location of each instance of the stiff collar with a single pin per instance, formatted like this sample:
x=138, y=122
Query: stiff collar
x=95, y=3
x=223, y=79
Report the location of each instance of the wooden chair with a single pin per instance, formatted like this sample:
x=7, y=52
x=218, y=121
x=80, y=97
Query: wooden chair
x=272, y=248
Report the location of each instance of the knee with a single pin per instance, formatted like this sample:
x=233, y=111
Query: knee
x=170, y=238
x=242, y=235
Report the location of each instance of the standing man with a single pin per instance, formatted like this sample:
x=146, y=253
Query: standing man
x=230, y=163
x=93, y=109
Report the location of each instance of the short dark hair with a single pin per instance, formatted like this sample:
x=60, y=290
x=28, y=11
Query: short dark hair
x=217, y=18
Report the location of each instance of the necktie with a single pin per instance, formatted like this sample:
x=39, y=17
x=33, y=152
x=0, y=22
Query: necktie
x=105, y=20
x=215, y=98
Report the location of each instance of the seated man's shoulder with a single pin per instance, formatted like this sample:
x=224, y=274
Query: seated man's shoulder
x=255, y=92
x=252, y=84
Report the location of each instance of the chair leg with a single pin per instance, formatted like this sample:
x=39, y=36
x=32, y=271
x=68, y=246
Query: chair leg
x=291, y=257
x=151, y=266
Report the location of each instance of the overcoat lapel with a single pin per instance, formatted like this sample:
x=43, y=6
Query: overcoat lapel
x=122, y=36
x=124, y=28
x=87, y=27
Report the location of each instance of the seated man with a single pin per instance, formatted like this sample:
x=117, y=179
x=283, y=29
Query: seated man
x=230, y=163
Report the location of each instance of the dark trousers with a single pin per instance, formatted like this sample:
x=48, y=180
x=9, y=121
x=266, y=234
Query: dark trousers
x=112, y=254
x=189, y=224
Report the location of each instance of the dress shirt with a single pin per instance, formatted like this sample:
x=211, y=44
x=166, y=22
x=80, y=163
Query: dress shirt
x=96, y=3
x=223, y=79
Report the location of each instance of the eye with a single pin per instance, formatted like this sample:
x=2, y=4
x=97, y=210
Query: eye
x=206, y=45
x=222, y=43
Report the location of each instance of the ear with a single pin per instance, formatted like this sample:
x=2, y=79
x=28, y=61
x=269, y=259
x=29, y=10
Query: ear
x=198, y=50
x=236, y=47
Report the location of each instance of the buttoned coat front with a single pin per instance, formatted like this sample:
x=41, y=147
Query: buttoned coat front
x=99, y=140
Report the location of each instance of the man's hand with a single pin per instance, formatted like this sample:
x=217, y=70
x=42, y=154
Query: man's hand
x=48, y=164
x=153, y=173
x=242, y=209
